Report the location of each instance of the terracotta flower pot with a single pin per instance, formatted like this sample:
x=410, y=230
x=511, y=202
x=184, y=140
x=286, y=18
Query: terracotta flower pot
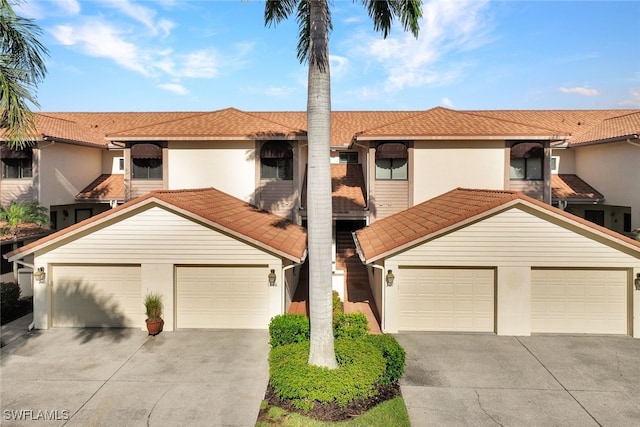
x=154, y=326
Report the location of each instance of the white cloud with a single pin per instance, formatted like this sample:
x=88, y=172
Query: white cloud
x=447, y=102
x=634, y=99
x=69, y=7
x=176, y=88
x=201, y=64
x=584, y=91
x=447, y=27
x=142, y=14
x=96, y=38
x=339, y=66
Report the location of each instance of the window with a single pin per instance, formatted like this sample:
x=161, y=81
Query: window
x=392, y=161
x=526, y=161
x=597, y=217
x=276, y=161
x=82, y=214
x=555, y=164
x=146, y=161
x=349, y=157
x=16, y=164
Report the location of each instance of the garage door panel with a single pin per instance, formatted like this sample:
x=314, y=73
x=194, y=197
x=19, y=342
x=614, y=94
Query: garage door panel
x=96, y=296
x=222, y=297
x=579, y=301
x=447, y=300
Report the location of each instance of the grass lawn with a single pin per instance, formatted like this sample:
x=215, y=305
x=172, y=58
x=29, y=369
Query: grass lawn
x=390, y=413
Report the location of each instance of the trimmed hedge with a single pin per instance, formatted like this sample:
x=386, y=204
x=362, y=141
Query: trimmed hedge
x=361, y=367
x=288, y=329
x=350, y=325
x=9, y=298
x=393, y=354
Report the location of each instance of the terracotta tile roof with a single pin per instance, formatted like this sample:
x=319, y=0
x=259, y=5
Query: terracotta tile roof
x=404, y=229
x=569, y=122
x=105, y=187
x=581, y=125
x=443, y=122
x=229, y=122
x=347, y=189
x=24, y=231
x=573, y=189
x=620, y=127
x=224, y=211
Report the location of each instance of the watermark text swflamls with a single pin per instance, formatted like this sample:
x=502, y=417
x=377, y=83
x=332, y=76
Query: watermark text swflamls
x=35, y=415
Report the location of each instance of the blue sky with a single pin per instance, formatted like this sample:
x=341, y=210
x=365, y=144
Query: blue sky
x=179, y=55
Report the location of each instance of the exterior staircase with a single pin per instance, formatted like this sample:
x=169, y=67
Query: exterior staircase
x=358, y=296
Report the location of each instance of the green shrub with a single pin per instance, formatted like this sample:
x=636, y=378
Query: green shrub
x=337, y=304
x=9, y=297
x=351, y=325
x=394, y=356
x=361, y=366
x=288, y=329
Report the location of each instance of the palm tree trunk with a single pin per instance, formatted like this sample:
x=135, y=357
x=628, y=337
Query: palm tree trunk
x=319, y=190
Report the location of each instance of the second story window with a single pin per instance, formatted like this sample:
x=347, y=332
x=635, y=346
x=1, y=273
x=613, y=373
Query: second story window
x=276, y=161
x=146, y=161
x=392, y=161
x=16, y=164
x=526, y=161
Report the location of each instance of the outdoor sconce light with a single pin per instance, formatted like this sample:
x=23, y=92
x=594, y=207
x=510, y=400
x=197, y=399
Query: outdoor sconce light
x=40, y=275
x=272, y=278
x=390, y=278
x=637, y=282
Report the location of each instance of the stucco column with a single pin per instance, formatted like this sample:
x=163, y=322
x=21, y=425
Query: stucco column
x=635, y=300
x=513, y=301
x=391, y=298
x=41, y=298
x=159, y=278
x=276, y=293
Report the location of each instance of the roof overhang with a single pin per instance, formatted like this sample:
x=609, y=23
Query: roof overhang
x=461, y=138
x=107, y=217
x=117, y=139
x=620, y=241
x=625, y=138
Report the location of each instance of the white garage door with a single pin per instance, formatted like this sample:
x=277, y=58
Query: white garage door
x=446, y=300
x=222, y=297
x=579, y=301
x=97, y=296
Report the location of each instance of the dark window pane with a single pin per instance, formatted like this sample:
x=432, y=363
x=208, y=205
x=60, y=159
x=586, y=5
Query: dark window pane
x=534, y=168
x=517, y=170
x=383, y=168
x=147, y=169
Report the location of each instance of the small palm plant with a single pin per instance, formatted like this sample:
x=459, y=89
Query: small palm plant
x=18, y=213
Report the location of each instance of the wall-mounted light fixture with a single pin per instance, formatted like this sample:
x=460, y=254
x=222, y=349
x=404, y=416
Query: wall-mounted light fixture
x=40, y=275
x=272, y=278
x=390, y=278
x=637, y=282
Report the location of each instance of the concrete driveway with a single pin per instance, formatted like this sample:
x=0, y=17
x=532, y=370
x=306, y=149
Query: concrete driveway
x=543, y=380
x=122, y=377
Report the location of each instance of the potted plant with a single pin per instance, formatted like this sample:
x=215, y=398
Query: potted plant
x=153, y=307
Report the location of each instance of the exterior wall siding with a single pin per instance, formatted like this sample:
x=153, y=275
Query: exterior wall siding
x=17, y=189
x=277, y=197
x=140, y=187
x=531, y=188
x=515, y=238
x=157, y=236
x=389, y=197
